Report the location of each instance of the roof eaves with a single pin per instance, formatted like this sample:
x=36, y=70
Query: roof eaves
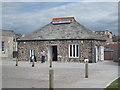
x=58, y=40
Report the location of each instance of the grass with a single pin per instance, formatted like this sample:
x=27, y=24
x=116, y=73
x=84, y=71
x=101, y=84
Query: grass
x=115, y=85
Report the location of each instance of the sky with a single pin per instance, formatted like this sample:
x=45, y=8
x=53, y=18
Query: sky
x=27, y=17
x=60, y=0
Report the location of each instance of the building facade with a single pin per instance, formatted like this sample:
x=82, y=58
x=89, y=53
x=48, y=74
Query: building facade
x=107, y=35
x=112, y=51
x=8, y=43
x=63, y=39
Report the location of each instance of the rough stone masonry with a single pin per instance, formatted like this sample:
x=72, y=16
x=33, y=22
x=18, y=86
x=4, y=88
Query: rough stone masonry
x=61, y=33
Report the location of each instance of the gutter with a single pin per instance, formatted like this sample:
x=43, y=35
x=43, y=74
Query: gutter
x=58, y=40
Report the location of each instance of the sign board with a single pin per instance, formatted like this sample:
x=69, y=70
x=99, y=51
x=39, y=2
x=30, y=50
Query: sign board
x=61, y=22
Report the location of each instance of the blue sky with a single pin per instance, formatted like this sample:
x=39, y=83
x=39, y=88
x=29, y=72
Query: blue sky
x=26, y=17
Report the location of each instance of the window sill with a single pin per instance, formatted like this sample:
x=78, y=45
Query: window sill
x=74, y=57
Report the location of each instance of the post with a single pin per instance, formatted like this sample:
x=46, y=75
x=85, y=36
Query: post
x=50, y=63
x=51, y=79
x=86, y=70
x=32, y=62
x=16, y=61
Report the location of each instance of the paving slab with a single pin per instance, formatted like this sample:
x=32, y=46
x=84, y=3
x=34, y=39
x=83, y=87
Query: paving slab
x=66, y=74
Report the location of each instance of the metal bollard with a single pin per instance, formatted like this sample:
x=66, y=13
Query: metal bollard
x=51, y=79
x=86, y=67
x=33, y=63
x=50, y=63
x=86, y=70
x=16, y=61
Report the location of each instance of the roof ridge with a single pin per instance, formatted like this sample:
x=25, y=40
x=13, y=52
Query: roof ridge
x=63, y=18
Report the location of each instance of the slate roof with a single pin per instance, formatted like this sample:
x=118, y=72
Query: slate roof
x=7, y=33
x=73, y=30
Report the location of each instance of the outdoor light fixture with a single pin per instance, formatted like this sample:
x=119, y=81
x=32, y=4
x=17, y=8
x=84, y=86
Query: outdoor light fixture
x=81, y=41
x=86, y=60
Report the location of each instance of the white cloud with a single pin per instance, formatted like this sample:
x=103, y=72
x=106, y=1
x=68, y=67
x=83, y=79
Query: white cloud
x=92, y=15
x=60, y=0
x=100, y=0
x=0, y=15
x=36, y=0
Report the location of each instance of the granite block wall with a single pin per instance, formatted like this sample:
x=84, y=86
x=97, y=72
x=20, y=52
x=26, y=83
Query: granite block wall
x=86, y=49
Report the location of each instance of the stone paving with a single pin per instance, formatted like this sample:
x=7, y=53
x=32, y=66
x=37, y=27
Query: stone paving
x=66, y=74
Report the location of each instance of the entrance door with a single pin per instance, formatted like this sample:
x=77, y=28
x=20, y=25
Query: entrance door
x=52, y=52
x=102, y=52
x=96, y=54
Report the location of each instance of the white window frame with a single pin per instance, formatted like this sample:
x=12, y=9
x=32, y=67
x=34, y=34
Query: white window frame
x=32, y=52
x=3, y=47
x=73, y=51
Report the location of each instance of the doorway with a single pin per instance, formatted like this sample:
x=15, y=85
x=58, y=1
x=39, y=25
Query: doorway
x=52, y=52
x=102, y=53
x=96, y=54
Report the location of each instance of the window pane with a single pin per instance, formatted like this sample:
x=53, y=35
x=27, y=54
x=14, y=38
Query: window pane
x=30, y=53
x=70, y=50
x=34, y=52
x=77, y=51
x=2, y=46
x=73, y=50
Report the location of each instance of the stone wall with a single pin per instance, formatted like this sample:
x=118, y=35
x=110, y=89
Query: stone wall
x=8, y=47
x=86, y=48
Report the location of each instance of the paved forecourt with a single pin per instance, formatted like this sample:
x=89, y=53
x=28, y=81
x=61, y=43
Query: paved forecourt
x=66, y=74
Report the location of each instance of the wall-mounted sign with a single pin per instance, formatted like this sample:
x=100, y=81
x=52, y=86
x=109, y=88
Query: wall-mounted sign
x=61, y=22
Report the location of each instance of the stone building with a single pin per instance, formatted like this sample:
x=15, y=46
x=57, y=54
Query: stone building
x=63, y=39
x=8, y=43
x=112, y=51
x=107, y=35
